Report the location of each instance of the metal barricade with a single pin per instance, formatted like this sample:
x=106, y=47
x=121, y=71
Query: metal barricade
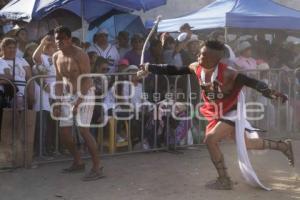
x=117, y=77
x=12, y=160
x=296, y=106
x=196, y=122
x=37, y=81
x=284, y=124
x=192, y=97
x=151, y=85
x=279, y=119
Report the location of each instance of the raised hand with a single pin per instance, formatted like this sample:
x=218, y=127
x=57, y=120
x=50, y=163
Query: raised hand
x=143, y=72
x=47, y=40
x=279, y=95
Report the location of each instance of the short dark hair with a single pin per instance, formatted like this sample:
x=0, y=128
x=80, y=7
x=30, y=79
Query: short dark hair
x=65, y=30
x=7, y=41
x=19, y=31
x=154, y=43
x=123, y=34
x=214, y=35
x=76, y=41
x=169, y=40
x=51, y=32
x=215, y=45
x=99, y=61
x=137, y=36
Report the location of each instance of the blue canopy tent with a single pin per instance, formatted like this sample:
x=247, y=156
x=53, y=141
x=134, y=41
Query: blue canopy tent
x=116, y=23
x=89, y=10
x=26, y=10
x=264, y=14
x=211, y=16
x=149, y=23
x=260, y=14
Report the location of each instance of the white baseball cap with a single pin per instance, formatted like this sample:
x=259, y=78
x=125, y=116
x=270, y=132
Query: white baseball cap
x=182, y=37
x=263, y=66
x=102, y=31
x=131, y=68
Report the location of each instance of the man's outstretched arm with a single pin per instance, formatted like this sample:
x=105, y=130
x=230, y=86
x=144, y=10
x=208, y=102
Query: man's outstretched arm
x=260, y=86
x=168, y=69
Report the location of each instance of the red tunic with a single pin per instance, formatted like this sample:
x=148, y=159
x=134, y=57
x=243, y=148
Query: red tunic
x=213, y=110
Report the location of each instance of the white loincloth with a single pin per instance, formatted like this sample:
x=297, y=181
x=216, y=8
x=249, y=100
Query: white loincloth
x=240, y=125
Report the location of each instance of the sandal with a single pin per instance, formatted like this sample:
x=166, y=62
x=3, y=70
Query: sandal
x=222, y=183
x=74, y=168
x=289, y=152
x=93, y=175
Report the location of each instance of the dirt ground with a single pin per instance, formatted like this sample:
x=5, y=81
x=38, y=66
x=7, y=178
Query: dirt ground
x=155, y=176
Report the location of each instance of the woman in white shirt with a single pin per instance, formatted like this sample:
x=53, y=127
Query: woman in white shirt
x=18, y=68
x=22, y=40
x=42, y=58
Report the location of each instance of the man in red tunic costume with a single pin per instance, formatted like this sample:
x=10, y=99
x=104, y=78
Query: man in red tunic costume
x=221, y=86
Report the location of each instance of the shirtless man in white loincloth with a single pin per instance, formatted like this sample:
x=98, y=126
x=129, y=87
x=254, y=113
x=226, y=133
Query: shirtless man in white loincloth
x=71, y=62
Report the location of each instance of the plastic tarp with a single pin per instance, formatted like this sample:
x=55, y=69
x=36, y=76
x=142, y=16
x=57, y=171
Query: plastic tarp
x=264, y=14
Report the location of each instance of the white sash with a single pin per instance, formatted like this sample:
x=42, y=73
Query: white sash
x=244, y=162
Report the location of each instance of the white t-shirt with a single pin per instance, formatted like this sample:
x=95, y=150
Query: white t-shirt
x=19, y=53
x=172, y=60
x=137, y=96
x=20, y=73
x=111, y=53
x=45, y=99
x=122, y=51
x=48, y=67
x=3, y=65
x=109, y=100
x=135, y=91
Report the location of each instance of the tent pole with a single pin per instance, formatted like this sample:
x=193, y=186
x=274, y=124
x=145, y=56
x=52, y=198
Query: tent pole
x=226, y=34
x=115, y=28
x=82, y=20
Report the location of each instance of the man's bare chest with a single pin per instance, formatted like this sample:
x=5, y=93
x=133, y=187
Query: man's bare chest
x=67, y=66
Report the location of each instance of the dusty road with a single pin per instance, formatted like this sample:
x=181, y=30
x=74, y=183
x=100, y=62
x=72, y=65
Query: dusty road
x=156, y=176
